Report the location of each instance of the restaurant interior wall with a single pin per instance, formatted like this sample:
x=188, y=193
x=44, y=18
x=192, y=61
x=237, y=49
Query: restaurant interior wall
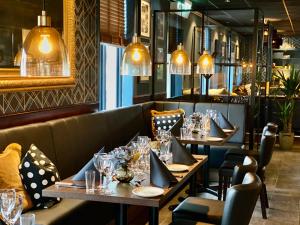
x=85, y=90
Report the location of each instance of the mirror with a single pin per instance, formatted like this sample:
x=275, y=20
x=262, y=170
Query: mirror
x=10, y=79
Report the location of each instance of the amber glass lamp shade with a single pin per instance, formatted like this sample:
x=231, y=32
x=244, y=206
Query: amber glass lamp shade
x=180, y=63
x=205, y=64
x=136, y=60
x=44, y=52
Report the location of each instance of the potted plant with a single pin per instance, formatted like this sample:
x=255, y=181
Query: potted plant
x=289, y=87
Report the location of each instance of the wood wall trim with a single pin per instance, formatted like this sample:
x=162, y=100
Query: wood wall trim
x=20, y=119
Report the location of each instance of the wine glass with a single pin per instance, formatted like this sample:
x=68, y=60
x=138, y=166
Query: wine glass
x=108, y=167
x=97, y=164
x=11, y=214
x=10, y=196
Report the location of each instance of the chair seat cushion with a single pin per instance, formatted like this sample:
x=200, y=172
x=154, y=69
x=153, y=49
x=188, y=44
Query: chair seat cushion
x=199, y=209
x=74, y=212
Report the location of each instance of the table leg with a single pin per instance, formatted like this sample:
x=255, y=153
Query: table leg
x=193, y=185
x=154, y=216
x=194, y=149
x=206, y=173
x=122, y=214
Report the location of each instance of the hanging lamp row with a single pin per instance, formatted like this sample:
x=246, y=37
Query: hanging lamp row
x=136, y=61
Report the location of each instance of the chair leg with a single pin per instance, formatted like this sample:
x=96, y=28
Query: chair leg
x=263, y=204
x=220, y=187
x=265, y=195
x=226, y=183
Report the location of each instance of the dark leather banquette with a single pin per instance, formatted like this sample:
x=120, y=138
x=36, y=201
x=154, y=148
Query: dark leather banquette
x=71, y=142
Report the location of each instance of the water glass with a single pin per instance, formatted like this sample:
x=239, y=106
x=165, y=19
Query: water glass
x=27, y=219
x=183, y=132
x=90, y=181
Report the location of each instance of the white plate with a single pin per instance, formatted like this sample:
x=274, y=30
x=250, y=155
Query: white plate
x=227, y=130
x=177, y=167
x=214, y=139
x=148, y=191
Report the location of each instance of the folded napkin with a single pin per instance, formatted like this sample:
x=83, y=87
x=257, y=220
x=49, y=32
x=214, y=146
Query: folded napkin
x=175, y=129
x=224, y=123
x=180, y=154
x=89, y=166
x=159, y=174
x=215, y=130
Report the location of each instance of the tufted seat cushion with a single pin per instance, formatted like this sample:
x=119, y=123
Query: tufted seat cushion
x=199, y=209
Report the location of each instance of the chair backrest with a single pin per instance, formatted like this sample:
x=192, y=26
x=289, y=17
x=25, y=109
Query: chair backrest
x=270, y=127
x=266, y=149
x=241, y=200
x=249, y=166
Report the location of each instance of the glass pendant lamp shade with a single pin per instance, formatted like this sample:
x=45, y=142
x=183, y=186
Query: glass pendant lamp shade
x=205, y=64
x=44, y=52
x=136, y=60
x=180, y=63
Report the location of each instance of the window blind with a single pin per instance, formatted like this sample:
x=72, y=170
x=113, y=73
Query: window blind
x=112, y=21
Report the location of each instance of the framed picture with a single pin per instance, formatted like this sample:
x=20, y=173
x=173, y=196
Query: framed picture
x=160, y=72
x=160, y=25
x=145, y=18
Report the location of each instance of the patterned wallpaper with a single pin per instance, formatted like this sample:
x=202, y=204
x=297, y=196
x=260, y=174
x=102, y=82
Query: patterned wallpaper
x=86, y=88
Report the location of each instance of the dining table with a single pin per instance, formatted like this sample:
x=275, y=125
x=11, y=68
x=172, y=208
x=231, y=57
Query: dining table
x=122, y=193
x=197, y=139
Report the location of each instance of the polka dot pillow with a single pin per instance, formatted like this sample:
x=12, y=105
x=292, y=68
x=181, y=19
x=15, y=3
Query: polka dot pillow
x=38, y=172
x=165, y=120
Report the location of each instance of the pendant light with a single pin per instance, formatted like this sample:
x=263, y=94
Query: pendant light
x=136, y=60
x=205, y=67
x=180, y=63
x=44, y=52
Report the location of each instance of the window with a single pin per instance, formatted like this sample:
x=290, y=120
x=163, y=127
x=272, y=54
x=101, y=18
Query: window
x=115, y=90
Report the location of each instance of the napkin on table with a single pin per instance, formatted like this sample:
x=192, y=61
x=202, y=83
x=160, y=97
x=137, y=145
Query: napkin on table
x=224, y=123
x=180, y=154
x=215, y=130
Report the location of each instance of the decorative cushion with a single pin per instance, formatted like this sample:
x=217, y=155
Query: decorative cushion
x=164, y=120
x=37, y=173
x=9, y=174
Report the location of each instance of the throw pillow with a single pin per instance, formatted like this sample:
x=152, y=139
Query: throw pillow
x=164, y=120
x=10, y=160
x=37, y=173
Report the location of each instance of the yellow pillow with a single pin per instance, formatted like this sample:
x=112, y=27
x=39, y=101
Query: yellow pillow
x=165, y=119
x=10, y=160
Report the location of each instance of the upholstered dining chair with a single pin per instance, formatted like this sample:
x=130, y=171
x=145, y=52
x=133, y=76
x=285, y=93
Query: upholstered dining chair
x=237, y=173
x=263, y=156
x=236, y=210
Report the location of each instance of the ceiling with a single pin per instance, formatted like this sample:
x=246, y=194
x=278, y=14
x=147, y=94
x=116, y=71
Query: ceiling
x=273, y=10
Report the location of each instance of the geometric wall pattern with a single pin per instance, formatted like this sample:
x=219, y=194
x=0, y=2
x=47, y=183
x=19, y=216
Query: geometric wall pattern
x=86, y=61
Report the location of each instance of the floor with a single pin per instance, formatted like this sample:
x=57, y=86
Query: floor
x=283, y=185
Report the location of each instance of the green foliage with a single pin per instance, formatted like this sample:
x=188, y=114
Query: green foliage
x=289, y=87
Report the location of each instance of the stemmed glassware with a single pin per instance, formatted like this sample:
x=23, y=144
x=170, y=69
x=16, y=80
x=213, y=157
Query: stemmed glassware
x=97, y=163
x=11, y=205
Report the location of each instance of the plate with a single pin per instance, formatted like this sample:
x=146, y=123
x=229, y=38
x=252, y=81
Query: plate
x=177, y=167
x=214, y=139
x=148, y=191
x=227, y=130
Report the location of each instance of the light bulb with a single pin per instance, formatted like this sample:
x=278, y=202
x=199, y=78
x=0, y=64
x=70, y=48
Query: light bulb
x=205, y=62
x=136, y=56
x=45, y=46
x=179, y=59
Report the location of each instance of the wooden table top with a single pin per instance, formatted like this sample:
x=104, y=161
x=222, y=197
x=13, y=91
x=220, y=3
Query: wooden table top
x=122, y=192
x=198, y=140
